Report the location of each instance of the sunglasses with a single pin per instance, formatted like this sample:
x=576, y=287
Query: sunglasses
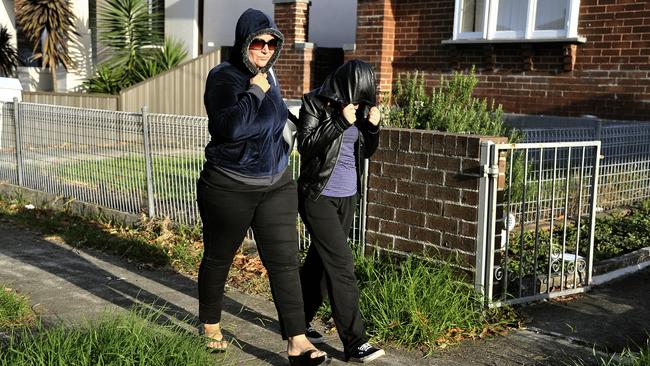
x=258, y=44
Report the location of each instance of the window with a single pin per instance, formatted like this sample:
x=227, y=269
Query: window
x=495, y=20
x=26, y=50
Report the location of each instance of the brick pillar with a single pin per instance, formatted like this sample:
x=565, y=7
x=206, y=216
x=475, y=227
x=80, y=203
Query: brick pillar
x=375, y=41
x=294, y=65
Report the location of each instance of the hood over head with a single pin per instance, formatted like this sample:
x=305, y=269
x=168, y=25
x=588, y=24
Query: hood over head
x=251, y=24
x=353, y=82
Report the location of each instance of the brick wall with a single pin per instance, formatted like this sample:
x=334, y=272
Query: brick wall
x=608, y=76
x=294, y=70
x=294, y=67
x=423, y=194
x=292, y=17
x=375, y=38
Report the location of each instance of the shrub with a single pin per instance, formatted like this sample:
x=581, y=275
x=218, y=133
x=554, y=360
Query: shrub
x=137, y=49
x=8, y=53
x=451, y=107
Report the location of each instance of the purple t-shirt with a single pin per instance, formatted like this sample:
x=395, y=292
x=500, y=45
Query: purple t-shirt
x=343, y=181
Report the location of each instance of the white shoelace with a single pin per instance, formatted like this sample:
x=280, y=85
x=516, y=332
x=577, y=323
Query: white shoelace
x=364, y=347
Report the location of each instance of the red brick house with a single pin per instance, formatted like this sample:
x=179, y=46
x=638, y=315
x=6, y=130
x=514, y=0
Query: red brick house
x=551, y=57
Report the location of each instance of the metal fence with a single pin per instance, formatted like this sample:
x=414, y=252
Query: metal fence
x=130, y=162
x=544, y=248
x=625, y=166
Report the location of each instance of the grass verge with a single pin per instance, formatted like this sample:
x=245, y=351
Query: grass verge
x=422, y=305
x=15, y=310
x=135, y=338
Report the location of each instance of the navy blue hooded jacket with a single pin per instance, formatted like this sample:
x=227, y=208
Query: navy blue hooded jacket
x=246, y=124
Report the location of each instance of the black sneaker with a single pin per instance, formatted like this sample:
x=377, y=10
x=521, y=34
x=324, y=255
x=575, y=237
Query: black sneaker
x=313, y=335
x=365, y=353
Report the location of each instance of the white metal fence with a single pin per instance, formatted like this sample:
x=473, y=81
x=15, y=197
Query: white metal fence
x=130, y=162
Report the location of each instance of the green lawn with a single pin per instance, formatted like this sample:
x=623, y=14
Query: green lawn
x=173, y=176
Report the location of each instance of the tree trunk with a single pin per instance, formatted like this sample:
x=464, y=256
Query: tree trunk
x=54, y=81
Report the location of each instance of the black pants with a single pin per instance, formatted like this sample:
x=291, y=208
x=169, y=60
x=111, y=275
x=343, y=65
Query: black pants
x=328, y=220
x=226, y=216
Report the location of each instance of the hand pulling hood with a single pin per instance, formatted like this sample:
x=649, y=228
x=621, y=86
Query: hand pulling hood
x=251, y=24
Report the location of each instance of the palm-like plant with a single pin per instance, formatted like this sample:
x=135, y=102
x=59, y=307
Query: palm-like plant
x=171, y=54
x=107, y=80
x=8, y=53
x=128, y=30
x=132, y=38
x=54, y=20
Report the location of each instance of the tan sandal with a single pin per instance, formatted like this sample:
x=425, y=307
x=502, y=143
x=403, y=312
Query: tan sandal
x=215, y=341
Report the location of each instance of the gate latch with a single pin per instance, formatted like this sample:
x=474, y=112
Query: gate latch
x=489, y=170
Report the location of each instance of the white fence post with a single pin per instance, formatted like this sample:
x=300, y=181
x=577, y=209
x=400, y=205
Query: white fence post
x=19, y=147
x=148, y=162
x=483, y=206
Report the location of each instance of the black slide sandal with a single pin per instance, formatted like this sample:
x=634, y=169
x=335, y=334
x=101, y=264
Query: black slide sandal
x=305, y=359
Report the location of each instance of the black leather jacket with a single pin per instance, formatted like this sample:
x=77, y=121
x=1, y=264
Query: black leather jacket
x=321, y=125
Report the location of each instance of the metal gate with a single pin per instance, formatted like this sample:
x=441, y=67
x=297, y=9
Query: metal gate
x=537, y=208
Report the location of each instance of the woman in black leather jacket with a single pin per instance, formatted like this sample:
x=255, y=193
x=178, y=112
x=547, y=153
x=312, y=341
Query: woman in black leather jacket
x=338, y=129
x=245, y=183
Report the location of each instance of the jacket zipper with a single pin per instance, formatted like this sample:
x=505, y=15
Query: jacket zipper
x=276, y=117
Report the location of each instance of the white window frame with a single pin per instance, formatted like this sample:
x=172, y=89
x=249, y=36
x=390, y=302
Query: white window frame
x=457, y=22
x=490, y=33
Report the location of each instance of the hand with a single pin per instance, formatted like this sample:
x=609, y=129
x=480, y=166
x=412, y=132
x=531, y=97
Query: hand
x=261, y=81
x=350, y=113
x=374, y=116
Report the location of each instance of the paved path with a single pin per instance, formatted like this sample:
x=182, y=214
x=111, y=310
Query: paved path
x=611, y=317
x=66, y=284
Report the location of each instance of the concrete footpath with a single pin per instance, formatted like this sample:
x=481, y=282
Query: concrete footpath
x=66, y=284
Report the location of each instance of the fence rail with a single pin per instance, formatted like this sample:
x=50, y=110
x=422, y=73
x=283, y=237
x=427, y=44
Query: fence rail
x=130, y=162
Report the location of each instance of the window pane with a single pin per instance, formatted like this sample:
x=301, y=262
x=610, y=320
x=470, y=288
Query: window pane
x=472, y=16
x=551, y=15
x=512, y=15
x=26, y=50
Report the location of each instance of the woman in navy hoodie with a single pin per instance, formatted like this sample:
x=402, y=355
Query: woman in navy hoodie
x=245, y=183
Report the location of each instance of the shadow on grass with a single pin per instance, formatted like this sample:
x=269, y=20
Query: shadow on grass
x=98, y=273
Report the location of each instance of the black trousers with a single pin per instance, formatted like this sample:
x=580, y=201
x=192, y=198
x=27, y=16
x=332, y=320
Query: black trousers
x=226, y=217
x=328, y=220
